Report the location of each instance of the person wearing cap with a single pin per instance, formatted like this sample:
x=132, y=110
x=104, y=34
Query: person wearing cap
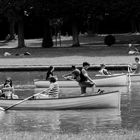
x=103, y=70
x=52, y=91
x=85, y=80
x=74, y=75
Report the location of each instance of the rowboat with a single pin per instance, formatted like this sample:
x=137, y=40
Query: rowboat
x=118, y=80
x=133, y=77
x=104, y=100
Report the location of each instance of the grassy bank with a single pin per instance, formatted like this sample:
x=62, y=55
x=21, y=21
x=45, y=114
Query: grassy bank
x=90, y=46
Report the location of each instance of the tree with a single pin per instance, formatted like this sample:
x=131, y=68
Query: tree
x=14, y=11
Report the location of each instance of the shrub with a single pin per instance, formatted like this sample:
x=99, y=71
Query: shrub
x=109, y=40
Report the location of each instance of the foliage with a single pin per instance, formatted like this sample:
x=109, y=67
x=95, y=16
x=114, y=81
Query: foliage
x=109, y=40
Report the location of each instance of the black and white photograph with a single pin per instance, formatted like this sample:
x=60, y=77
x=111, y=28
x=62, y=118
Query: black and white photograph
x=70, y=70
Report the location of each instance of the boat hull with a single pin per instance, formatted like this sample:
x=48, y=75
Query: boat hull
x=121, y=80
x=106, y=100
x=133, y=77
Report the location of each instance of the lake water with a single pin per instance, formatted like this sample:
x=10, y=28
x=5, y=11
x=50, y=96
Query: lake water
x=72, y=121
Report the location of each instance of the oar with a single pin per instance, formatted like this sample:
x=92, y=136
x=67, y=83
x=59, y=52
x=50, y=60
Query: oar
x=129, y=78
x=68, y=78
x=5, y=109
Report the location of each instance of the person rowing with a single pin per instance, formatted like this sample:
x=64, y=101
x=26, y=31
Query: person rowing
x=52, y=91
x=103, y=70
x=85, y=80
x=74, y=75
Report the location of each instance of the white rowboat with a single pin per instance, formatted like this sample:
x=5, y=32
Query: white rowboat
x=133, y=77
x=119, y=80
x=105, y=100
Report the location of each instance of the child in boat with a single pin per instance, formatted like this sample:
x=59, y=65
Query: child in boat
x=53, y=90
x=50, y=72
x=74, y=75
x=7, y=90
x=103, y=70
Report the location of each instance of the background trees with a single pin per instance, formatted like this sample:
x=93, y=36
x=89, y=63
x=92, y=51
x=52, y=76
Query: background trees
x=92, y=16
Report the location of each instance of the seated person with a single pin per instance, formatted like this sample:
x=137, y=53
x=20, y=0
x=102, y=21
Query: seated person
x=136, y=66
x=104, y=71
x=133, y=49
x=52, y=91
x=7, y=90
x=74, y=75
x=50, y=72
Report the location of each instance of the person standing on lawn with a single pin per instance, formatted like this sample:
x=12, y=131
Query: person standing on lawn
x=85, y=80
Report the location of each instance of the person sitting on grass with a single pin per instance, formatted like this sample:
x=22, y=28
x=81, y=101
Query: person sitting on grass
x=52, y=91
x=7, y=90
x=74, y=75
x=103, y=70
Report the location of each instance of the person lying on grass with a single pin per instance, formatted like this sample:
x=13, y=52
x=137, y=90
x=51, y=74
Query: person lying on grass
x=52, y=91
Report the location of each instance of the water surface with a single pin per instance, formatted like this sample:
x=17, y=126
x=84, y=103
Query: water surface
x=73, y=121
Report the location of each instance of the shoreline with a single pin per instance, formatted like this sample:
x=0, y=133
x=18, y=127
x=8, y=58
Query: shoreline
x=58, y=68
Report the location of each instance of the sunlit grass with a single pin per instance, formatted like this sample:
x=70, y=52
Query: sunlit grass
x=92, y=48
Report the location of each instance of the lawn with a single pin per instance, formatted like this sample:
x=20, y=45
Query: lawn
x=90, y=46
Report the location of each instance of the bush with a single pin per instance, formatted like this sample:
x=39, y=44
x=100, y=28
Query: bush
x=109, y=40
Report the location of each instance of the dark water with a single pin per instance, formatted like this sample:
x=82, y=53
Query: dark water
x=72, y=121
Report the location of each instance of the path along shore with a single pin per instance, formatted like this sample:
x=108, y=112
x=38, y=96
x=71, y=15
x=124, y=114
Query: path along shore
x=65, y=61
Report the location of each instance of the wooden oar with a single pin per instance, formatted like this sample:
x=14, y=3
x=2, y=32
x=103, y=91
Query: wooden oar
x=5, y=109
x=129, y=78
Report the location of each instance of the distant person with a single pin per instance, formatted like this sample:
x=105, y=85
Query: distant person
x=85, y=80
x=136, y=66
x=74, y=75
x=50, y=72
x=7, y=90
x=52, y=91
x=103, y=70
x=132, y=49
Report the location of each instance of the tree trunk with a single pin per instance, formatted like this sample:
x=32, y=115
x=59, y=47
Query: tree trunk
x=12, y=29
x=133, y=26
x=47, y=38
x=21, y=43
x=75, y=34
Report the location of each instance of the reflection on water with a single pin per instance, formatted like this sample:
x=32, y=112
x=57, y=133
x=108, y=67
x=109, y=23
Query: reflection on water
x=131, y=108
x=68, y=121
x=71, y=121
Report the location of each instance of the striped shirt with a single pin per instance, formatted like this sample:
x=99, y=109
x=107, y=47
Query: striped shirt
x=53, y=90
